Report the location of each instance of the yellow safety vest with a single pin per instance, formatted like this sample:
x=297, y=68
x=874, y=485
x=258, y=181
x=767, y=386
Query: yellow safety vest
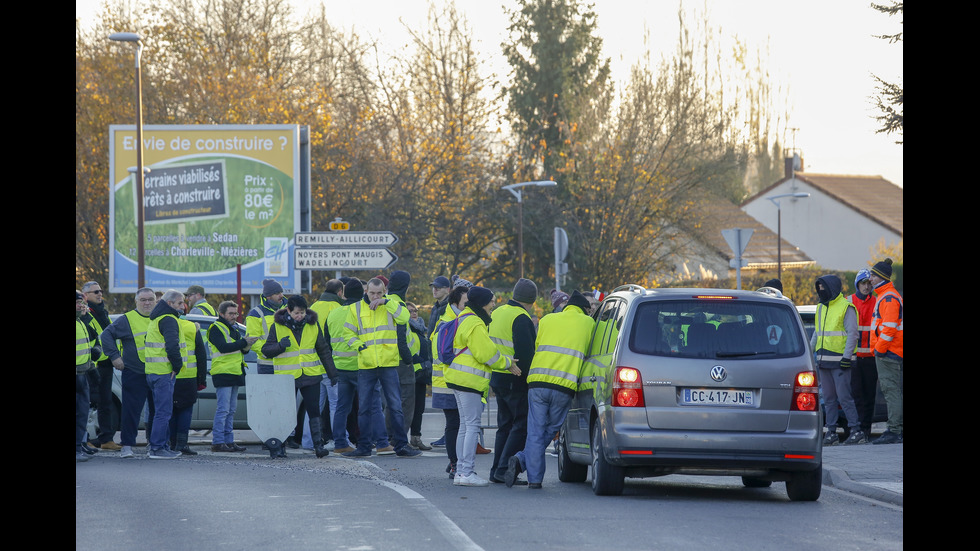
x=502, y=327
x=299, y=358
x=375, y=329
x=344, y=357
x=224, y=363
x=476, y=355
x=157, y=362
x=256, y=326
x=83, y=344
x=137, y=326
x=188, y=333
x=831, y=337
x=563, y=339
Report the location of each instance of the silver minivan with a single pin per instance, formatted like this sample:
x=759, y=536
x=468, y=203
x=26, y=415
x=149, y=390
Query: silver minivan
x=695, y=381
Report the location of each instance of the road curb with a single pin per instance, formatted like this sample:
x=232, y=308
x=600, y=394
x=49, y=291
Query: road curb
x=837, y=478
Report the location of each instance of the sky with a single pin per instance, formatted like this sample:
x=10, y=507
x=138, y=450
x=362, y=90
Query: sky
x=822, y=54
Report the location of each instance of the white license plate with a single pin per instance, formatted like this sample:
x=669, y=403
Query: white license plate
x=716, y=397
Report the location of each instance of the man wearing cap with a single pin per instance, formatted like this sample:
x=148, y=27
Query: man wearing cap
x=197, y=301
x=864, y=373
x=887, y=336
x=560, y=349
x=129, y=331
x=260, y=319
x=440, y=291
x=513, y=331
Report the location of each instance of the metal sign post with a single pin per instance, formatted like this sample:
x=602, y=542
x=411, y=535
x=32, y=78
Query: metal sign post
x=737, y=239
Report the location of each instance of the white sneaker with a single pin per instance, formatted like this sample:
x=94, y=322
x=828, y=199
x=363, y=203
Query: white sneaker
x=457, y=479
x=126, y=452
x=471, y=479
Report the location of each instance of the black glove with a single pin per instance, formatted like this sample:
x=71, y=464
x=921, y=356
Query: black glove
x=333, y=381
x=845, y=363
x=284, y=342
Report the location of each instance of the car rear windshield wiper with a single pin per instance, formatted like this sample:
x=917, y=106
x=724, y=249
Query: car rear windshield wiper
x=740, y=354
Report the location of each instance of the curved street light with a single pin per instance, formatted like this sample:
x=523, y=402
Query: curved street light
x=779, y=227
x=515, y=189
x=138, y=173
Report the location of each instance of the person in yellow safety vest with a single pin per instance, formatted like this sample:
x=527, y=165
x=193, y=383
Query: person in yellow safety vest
x=124, y=342
x=331, y=299
x=418, y=343
x=197, y=302
x=559, y=352
x=108, y=411
x=469, y=377
x=442, y=395
x=228, y=349
x=86, y=347
x=397, y=289
x=513, y=331
x=834, y=342
x=371, y=329
x=165, y=350
x=887, y=343
x=260, y=319
x=345, y=359
x=299, y=348
x=191, y=379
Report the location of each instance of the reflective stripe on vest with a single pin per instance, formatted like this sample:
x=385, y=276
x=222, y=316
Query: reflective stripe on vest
x=831, y=337
x=137, y=326
x=83, y=344
x=224, y=363
x=502, y=327
x=299, y=358
x=188, y=333
x=157, y=362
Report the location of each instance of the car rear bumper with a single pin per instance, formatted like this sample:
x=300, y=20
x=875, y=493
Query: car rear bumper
x=630, y=442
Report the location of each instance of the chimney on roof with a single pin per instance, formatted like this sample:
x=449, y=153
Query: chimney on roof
x=793, y=164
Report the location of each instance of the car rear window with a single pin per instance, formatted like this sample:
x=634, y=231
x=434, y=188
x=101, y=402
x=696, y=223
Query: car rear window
x=716, y=328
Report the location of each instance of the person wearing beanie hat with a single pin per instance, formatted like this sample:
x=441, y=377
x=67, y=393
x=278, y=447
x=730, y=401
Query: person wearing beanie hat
x=469, y=378
x=257, y=324
x=382, y=278
x=775, y=284
x=834, y=342
x=864, y=374
x=512, y=330
x=558, y=300
x=397, y=287
x=371, y=328
x=330, y=299
x=887, y=345
x=561, y=345
x=460, y=282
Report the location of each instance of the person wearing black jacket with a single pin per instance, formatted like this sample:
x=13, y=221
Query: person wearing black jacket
x=397, y=290
x=228, y=346
x=513, y=331
x=291, y=324
x=98, y=318
x=164, y=360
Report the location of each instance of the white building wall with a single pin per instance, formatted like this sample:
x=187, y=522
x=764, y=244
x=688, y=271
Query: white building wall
x=836, y=236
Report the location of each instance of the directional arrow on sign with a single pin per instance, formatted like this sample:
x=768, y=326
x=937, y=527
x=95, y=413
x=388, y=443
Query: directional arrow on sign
x=361, y=258
x=346, y=239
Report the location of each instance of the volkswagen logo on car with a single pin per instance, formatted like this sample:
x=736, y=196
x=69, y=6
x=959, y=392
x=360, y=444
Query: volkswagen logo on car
x=718, y=373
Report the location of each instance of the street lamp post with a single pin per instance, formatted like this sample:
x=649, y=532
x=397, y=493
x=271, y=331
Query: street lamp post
x=515, y=189
x=138, y=175
x=779, y=228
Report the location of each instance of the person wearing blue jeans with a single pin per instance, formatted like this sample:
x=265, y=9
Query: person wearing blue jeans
x=546, y=412
x=162, y=388
x=369, y=383
x=165, y=349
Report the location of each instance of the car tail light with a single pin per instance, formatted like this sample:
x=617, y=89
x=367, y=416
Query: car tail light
x=627, y=388
x=805, y=392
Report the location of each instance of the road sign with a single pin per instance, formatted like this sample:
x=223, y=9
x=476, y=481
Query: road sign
x=339, y=226
x=737, y=239
x=361, y=258
x=346, y=239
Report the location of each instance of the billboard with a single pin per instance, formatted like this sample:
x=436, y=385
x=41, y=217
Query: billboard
x=215, y=197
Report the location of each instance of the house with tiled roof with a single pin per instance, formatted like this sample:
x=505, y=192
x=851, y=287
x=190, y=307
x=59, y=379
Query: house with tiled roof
x=707, y=254
x=842, y=221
